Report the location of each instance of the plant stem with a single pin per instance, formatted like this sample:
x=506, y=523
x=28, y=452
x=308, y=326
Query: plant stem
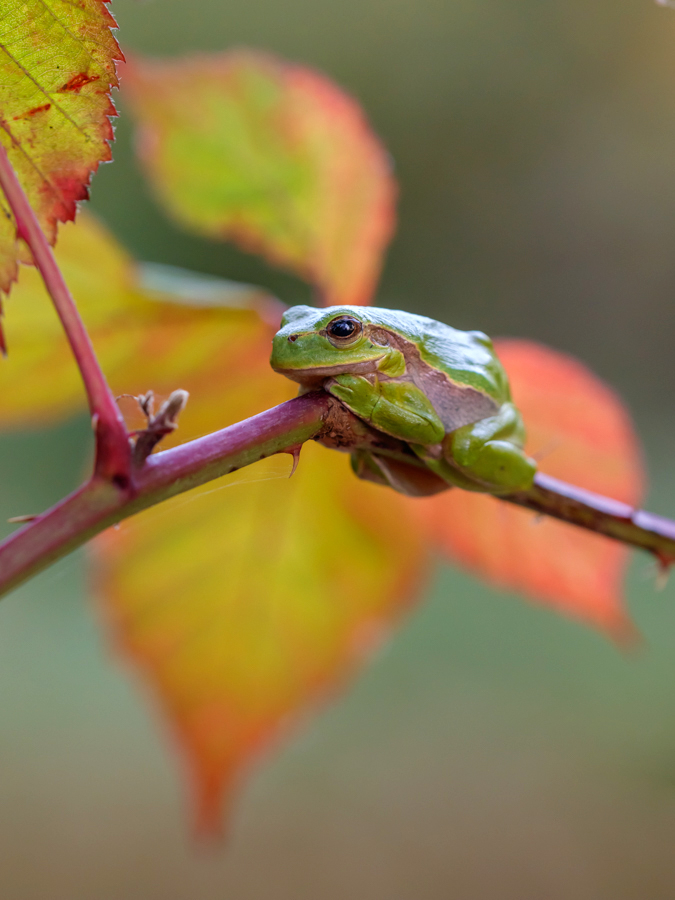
x=113, y=453
x=600, y=514
x=98, y=504
x=282, y=429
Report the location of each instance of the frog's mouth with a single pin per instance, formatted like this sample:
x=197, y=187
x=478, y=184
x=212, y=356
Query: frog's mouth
x=315, y=376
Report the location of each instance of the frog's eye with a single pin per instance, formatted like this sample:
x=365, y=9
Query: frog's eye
x=343, y=330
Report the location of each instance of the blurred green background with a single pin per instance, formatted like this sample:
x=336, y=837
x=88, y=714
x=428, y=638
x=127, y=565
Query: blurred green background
x=492, y=750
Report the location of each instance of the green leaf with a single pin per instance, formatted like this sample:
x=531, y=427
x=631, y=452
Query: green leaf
x=273, y=156
x=57, y=67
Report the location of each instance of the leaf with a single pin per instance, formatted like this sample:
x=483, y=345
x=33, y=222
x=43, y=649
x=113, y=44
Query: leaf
x=245, y=607
x=581, y=433
x=57, y=67
x=271, y=155
x=141, y=342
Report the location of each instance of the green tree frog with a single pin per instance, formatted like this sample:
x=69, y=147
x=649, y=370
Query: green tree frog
x=441, y=391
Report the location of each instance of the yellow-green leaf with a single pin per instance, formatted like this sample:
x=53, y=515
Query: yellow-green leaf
x=242, y=607
x=271, y=155
x=141, y=342
x=57, y=67
x=246, y=606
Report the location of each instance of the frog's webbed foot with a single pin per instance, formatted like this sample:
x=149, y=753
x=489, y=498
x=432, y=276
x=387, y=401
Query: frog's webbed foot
x=406, y=478
x=486, y=456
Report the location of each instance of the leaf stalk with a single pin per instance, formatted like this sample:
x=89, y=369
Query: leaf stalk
x=113, y=452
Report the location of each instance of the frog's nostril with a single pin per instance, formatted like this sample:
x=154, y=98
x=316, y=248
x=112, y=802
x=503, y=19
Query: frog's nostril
x=292, y=338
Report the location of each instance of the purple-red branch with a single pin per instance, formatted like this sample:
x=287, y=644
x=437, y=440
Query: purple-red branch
x=282, y=429
x=113, y=453
x=99, y=504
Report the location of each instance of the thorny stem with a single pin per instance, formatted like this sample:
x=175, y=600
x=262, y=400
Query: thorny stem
x=645, y=530
x=113, y=453
x=97, y=505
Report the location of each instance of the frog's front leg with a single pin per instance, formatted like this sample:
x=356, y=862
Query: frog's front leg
x=398, y=408
x=486, y=456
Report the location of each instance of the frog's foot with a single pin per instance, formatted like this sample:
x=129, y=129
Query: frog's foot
x=406, y=478
x=486, y=456
x=490, y=453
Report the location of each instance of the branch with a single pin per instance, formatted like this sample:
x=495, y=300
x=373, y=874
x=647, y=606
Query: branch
x=113, y=454
x=600, y=514
x=98, y=504
x=282, y=429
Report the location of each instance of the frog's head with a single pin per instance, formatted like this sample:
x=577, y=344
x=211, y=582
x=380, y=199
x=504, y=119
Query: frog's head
x=313, y=344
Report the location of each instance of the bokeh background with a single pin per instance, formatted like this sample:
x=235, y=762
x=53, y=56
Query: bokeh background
x=492, y=750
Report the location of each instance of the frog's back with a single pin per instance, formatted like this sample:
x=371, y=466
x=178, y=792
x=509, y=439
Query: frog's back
x=466, y=357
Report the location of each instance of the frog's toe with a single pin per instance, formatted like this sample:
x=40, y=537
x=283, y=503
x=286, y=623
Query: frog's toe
x=499, y=465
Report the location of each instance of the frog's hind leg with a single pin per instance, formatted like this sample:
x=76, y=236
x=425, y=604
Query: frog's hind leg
x=406, y=478
x=486, y=456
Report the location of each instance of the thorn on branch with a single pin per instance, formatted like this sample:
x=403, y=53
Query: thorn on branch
x=664, y=563
x=295, y=453
x=161, y=423
x=3, y=342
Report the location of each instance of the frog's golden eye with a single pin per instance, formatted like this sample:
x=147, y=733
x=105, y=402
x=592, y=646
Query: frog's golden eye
x=343, y=330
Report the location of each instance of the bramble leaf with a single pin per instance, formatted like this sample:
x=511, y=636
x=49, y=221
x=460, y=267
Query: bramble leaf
x=141, y=342
x=580, y=432
x=57, y=68
x=245, y=606
x=271, y=155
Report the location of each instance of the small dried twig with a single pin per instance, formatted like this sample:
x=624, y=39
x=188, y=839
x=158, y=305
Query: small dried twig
x=159, y=424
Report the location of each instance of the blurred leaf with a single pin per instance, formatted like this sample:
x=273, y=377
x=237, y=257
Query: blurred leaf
x=141, y=342
x=246, y=606
x=243, y=607
x=57, y=68
x=580, y=432
x=272, y=155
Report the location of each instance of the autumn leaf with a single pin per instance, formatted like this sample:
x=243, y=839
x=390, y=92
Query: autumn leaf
x=247, y=605
x=581, y=433
x=271, y=155
x=57, y=68
x=140, y=341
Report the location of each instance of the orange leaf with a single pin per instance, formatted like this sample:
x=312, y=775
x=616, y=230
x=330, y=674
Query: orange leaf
x=581, y=433
x=245, y=607
x=273, y=156
x=242, y=607
x=141, y=341
x=57, y=67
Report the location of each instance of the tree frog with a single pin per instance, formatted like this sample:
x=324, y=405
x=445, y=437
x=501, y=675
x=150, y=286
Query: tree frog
x=441, y=391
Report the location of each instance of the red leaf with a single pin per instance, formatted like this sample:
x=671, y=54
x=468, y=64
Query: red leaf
x=274, y=156
x=581, y=433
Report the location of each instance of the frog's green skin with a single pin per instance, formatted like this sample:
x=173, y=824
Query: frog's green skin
x=442, y=391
